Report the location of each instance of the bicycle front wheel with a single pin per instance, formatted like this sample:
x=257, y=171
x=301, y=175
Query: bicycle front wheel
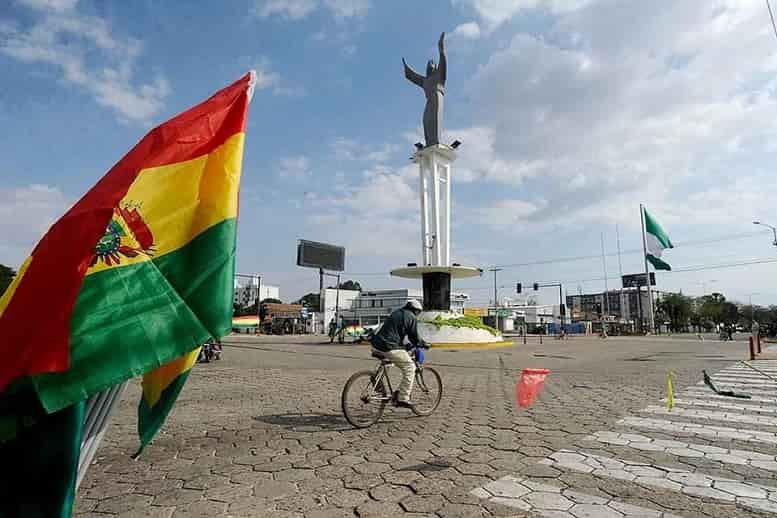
x=363, y=401
x=427, y=392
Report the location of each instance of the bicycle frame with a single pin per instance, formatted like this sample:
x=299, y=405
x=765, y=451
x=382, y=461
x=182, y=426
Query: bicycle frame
x=382, y=373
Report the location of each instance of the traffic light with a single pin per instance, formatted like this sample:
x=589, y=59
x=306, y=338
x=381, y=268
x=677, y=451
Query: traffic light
x=536, y=286
x=518, y=288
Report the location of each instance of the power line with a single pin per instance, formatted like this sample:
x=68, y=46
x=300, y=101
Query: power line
x=686, y=269
x=771, y=15
x=540, y=262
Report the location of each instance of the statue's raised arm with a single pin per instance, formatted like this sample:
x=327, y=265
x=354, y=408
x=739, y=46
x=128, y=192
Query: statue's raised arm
x=443, y=62
x=412, y=75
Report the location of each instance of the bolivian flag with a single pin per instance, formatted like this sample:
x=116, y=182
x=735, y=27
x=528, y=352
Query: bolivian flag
x=136, y=275
x=140, y=271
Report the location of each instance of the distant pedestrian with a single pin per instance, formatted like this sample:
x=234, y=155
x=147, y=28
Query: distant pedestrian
x=332, y=330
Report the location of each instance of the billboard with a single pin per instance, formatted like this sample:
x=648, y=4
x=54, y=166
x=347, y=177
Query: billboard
x=635, y=280
x=320, y=255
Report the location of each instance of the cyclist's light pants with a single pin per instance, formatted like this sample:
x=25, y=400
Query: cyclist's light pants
x=402, y=359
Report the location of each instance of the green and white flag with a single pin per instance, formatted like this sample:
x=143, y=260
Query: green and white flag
x=657, y=241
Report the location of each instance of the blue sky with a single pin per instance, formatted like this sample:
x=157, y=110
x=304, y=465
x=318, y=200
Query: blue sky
x=571, y=114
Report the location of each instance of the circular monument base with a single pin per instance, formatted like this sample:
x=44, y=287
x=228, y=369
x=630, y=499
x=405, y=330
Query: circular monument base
x=455, y=336
x=456, y=272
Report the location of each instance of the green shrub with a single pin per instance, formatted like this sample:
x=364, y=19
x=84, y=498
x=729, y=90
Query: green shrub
x=463, y=321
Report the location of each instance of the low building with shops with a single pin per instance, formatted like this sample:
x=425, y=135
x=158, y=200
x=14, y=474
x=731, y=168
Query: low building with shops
x=626, y=308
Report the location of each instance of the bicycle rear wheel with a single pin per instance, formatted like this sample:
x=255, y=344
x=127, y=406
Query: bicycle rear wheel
x=363, y=402
x=427, y=392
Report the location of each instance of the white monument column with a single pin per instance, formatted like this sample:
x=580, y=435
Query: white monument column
x=424, y=195
x=434, y=164
x=447, y=229
x=437, y=235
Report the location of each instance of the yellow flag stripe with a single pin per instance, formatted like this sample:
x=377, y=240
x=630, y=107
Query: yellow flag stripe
x=179, y=201
x=6, y=297
x=156, y=381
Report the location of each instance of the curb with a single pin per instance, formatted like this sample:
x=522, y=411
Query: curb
x=473, y=345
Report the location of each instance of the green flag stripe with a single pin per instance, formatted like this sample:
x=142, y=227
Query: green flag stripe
x=657, y=263
x=151, y=418
x=40, y=466
x=129, y=320
x=652, y=227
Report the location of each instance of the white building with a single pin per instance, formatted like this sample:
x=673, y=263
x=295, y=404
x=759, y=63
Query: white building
x=534, y=315
x=245, y=294
x=332, y=301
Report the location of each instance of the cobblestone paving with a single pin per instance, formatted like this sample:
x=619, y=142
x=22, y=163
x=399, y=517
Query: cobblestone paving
x=261, y=434
x=646, y=471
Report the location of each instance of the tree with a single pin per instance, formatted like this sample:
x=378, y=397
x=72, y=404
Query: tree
x=6, y=276
x=311, y=300
x=711, y=309
x=677, y=308
x=349, y=285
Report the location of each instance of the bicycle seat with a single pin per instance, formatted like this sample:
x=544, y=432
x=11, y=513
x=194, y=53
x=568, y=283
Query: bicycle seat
x=379, y=356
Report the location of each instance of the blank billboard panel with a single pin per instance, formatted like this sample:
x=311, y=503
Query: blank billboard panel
x=320, y=255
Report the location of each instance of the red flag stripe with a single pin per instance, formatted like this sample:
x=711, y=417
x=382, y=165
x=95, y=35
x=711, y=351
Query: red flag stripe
x=60, y=260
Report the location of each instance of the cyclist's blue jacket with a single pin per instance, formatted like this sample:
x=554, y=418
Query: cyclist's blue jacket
x=400, y=324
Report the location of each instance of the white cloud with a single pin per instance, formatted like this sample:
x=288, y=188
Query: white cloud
x=506, y=213
x=25, y=215
x=294, y=167
x=351, y=149
x=496, y=12
x=299, y=9
x=347, y=8
x=268, y=79
x=265, y=78
x=468, y=31
x=377, y=215
x=291, y=9
x=54, y=5
x=595, y=119
x=89, y=56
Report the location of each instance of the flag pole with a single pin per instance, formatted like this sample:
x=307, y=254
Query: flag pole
x=99, y=410
x=647, y=271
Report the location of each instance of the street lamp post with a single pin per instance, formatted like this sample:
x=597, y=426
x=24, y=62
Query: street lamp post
x=774, y=230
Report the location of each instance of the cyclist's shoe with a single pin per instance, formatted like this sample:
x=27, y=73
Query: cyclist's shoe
x=404, y=404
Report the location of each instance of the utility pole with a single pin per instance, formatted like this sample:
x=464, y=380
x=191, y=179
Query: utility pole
x=496, y=303
x=606, y=306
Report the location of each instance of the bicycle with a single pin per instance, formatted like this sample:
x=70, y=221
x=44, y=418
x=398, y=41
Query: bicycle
x=367, y=392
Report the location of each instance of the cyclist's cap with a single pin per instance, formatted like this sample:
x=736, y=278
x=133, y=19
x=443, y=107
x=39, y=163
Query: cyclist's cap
x=414, y=305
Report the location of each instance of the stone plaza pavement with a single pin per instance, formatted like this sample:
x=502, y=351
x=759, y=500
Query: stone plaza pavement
x=261, y=434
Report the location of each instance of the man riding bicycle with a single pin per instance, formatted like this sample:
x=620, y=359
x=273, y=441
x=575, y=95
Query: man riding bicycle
x=389, y=343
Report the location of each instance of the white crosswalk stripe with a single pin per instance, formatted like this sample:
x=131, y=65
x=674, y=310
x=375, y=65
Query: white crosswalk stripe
x=765, y=382
x=748, y=390
x=713, y=432
x=684, y=449
x=748, y=495
x=691, y=401
x=697, y=421
x=710, y=415
x=706, y=393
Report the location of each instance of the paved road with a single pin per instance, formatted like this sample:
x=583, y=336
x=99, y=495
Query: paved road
x=261, y=434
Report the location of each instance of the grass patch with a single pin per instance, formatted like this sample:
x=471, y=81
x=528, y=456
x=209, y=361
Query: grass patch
x=468, y=322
